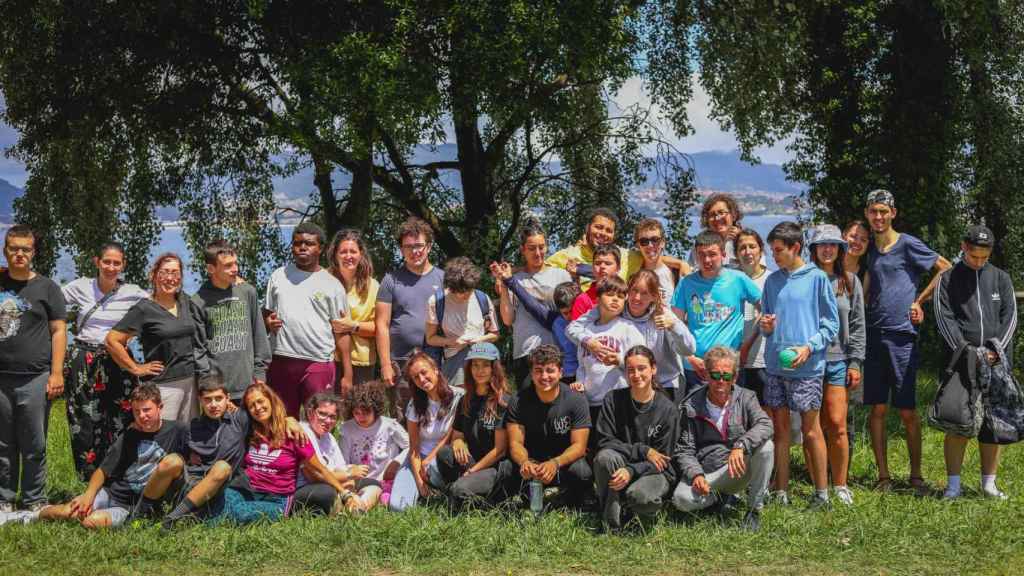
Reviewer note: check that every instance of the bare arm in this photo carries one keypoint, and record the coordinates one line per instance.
(517, 444)
(382, 321)
(58, 346)
(941, 265)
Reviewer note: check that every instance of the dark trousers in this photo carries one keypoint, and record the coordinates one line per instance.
(576, 481)
(521, 372)
(481, 487)
(316, 498)
(23, 411)
(644, 495)
(98, 406)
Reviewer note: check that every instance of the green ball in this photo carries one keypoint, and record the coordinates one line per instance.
(786, 357)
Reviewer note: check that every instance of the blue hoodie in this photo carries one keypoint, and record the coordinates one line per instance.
(806, 314)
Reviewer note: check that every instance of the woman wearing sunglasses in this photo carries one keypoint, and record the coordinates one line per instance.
(725, 442)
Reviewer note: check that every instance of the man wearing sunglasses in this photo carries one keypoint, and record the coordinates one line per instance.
(725, 442)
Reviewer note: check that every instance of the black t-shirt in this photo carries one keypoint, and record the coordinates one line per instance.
(135, 455)
(222, 439)
(164, 337)
(548, 427)
(478, 426)
(26, 310)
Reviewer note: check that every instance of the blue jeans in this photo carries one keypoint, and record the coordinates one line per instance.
(835, 373)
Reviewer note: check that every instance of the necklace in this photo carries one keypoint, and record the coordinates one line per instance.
(642, 407)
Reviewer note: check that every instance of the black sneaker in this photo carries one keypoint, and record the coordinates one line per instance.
(752, 521)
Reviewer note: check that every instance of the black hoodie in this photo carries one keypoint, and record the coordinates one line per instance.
(976, 308)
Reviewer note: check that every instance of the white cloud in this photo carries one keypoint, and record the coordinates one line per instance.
(707, 134)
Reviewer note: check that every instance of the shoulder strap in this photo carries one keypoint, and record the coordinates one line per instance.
(80, 323)
(439, 309)
(485, 307)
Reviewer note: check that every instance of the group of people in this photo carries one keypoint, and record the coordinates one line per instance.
(635, 377)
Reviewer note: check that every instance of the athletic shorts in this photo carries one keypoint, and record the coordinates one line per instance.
(835, 373)
(890, 369)
(118, 511)
(754, 379)
(798, 394)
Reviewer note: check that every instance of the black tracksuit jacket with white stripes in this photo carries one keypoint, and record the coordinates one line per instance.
(977, 307)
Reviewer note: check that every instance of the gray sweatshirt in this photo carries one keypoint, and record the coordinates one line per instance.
(851, 342)
(236, 336)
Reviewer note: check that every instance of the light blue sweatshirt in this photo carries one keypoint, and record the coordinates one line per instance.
(806, 314)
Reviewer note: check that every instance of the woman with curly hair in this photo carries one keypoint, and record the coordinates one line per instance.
(721, 214)
(428, 420)
(373, 440)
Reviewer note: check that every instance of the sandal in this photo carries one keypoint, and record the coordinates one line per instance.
(921, 488)
(883, 484)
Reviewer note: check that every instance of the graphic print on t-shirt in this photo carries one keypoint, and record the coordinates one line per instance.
(149, 454)
(262, 457)
(608, 341)
(708, 310)
(229, 320)
(489, 420)
(11, 309)
(561, 425)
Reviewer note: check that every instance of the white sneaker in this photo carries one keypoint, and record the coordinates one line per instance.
(950, 494)
(844, 495)
(780, 497)
(994, 493)
(6, 507)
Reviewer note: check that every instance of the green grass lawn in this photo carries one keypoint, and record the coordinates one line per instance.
(894, 533)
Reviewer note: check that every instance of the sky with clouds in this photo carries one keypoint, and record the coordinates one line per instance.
(707, 134)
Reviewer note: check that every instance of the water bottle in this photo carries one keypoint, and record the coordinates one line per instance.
(536, 497)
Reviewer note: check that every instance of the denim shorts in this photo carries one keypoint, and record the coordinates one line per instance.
(798, 394)
(835, 373)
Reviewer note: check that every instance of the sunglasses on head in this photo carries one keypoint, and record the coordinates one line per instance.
(722, 376)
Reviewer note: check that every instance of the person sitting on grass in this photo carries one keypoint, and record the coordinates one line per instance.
(468, 467)
(548, 425)
(136, 473)
(272, 461)
(428, 419)
(374, 441)
(725, 442)
(637, 431)
(603, 339)
(216, 446)
(314, 494)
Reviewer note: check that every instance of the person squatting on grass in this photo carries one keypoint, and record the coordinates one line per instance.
(637, 430)
(468, 466)
(725, 442)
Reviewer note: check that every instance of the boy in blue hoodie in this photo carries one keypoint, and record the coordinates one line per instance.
(800, 320)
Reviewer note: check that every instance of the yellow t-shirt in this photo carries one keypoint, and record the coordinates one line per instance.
(364, 350)
(629, 261)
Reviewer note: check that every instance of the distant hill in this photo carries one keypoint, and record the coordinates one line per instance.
(727, 172)
(8, 192)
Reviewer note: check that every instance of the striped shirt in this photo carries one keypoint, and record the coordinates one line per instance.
(83, 294)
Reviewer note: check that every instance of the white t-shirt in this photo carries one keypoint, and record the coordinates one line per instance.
(527, 332)
(461, 319)
(666, 283)
(433, 431)
(717, 414)
(383, 442)
(597, 377)
(327, 450)
(306, 302)
(83, 294)
(755, 358)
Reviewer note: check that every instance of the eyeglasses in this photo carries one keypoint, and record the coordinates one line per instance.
(719, 214)
(722, 376)
(650, 241)
(415, 247)
(325, 417)
(168, 274)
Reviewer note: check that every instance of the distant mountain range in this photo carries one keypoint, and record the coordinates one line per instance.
(718, 171)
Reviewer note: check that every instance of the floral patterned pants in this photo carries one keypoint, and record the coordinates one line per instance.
(98, 405)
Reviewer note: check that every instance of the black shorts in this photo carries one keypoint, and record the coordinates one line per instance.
(754, 379)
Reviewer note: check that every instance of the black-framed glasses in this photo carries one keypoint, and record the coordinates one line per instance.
(650, 241)
(722, 376)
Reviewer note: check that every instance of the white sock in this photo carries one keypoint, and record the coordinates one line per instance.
(823, 494)
(839, 487)
(988, 482)
(953, 484)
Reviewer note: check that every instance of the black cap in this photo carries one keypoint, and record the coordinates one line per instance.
(979, 236)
